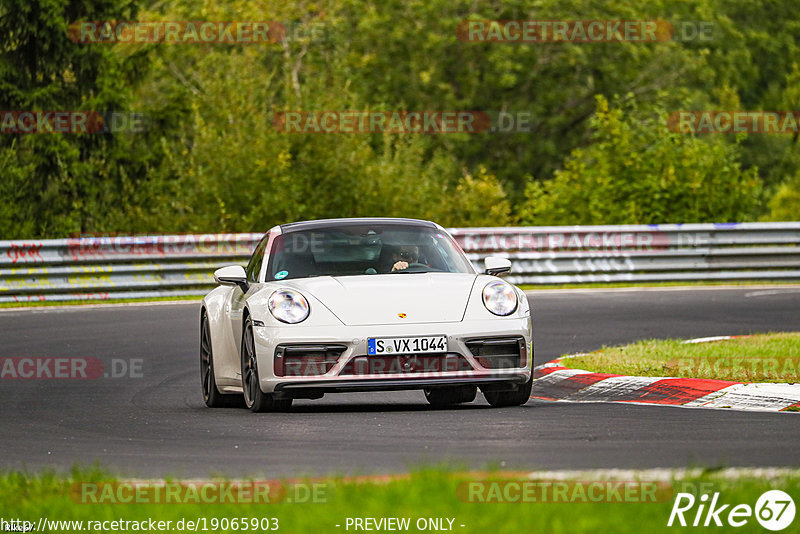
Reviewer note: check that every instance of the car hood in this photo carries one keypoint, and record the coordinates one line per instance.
(391, 298)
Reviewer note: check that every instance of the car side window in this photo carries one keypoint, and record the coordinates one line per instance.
(254, 265)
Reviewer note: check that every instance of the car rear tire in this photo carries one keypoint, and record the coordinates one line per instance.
(211, 395)
(254, 398)
(500, 399)
(442, 397)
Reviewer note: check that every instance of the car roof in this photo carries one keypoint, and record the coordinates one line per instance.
(354, 221)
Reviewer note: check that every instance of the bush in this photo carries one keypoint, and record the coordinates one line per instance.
(785, 204)
(636, 171)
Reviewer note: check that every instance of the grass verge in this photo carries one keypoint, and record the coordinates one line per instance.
(773, 357)
(424, 495)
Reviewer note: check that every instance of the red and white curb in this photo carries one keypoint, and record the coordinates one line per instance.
(555, 382)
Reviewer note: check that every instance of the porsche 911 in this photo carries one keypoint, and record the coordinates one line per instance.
(360, 305)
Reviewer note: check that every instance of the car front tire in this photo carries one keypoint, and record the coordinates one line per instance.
(254, 398)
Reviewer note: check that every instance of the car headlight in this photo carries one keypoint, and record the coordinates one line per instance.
(288, 306)
(499, 298)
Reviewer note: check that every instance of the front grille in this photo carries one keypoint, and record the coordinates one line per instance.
(405, 364)
(499, 353)
(306, 360)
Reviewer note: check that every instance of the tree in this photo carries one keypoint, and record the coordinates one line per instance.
(637, 171)
(785, 204)
(57, 184)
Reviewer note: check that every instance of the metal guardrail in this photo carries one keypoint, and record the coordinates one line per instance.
(100, 268)
(641, 253)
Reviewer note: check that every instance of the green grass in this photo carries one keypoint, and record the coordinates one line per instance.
(759, 358)
(426, 493)
(37, 304)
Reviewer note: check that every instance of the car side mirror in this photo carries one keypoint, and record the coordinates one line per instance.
(495, 265)
(232, 275)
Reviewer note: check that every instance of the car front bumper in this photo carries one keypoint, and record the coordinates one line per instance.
(354, 339)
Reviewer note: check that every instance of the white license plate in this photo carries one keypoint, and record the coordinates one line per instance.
(377, 346)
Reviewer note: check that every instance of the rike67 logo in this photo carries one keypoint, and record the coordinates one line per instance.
(774, 510)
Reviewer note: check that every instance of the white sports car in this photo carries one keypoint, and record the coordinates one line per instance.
(371, 304)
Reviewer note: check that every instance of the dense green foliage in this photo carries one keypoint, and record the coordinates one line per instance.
(598, 150)
(641, 172)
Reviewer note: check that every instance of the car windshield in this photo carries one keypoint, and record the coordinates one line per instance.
(364, 250)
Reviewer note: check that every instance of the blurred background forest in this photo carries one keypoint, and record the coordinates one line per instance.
(599, 151)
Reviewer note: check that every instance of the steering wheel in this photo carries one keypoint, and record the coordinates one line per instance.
(412, 267)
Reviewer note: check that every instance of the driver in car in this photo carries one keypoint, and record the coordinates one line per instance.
(403, 256)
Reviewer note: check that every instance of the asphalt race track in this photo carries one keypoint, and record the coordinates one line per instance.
(156, 424)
